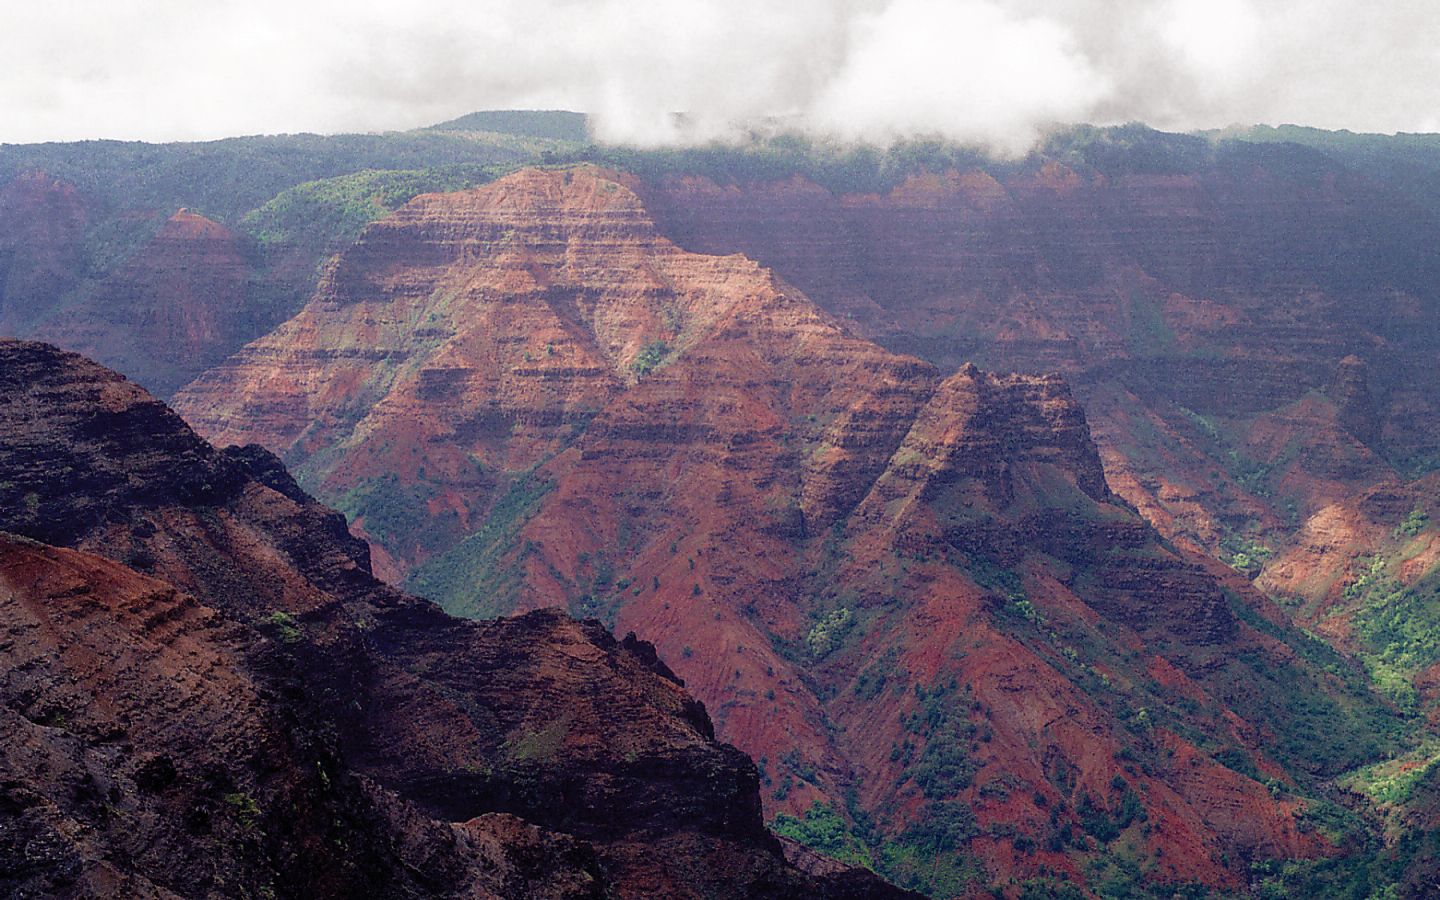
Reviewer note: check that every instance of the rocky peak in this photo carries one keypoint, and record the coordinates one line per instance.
(170, 311)
(988, 427)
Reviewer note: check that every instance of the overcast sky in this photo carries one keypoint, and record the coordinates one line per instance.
(992, 71)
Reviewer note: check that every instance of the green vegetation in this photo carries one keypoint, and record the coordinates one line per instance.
(1244, 554)
(226, 179)
(1251, 475)
(1148, 332)
(944, 767)
(827, 633)
(285, 625)
(1401, 865)
(482, 575)
(1392, 783)
(991, 575)
(600, 594)
(1414, 523)
(1104, 825)
(874, 678)
(1399, 625)
(246, 810)
(928, 856)
(549, 124)
(394, 514)
(324, 215)
(822, 829)
(839, 167)
(1130, 149)
(944, 827)
(650, 358)
(1325, 716)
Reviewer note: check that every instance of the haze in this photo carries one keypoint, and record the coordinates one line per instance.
(987, 71)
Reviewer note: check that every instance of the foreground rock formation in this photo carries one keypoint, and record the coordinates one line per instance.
(206, 692)
(913, 598)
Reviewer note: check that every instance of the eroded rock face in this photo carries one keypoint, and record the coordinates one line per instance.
(254, 712)
(177, 307)
(42, 227)
(915, 591)
(1351, 392)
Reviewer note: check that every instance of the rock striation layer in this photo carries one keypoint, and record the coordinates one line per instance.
(1176, 282)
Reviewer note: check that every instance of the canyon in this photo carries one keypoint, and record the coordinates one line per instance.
(1037, 523)
(524, 395)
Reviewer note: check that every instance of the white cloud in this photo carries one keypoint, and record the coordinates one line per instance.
(968, 69)
(979, 70)
(1217, 40)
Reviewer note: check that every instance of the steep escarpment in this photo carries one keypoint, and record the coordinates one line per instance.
(253, 712)
(913, 598)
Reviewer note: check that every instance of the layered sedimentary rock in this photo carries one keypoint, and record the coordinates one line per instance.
(914, 598)
(205, 691)
(177, 307)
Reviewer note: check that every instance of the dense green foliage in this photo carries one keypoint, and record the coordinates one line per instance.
(1399, 626)
(1325, 718)
(1244, 554)
(822, 829)
(944, 765)
(827, 633)
(328, 213)
(928, 856)
(1413, 524)
(393, 513)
